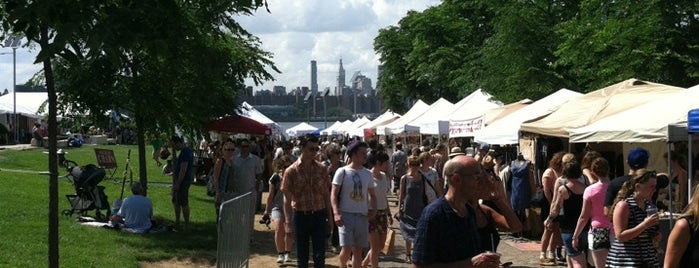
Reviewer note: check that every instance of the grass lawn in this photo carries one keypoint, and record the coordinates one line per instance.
(24, 214)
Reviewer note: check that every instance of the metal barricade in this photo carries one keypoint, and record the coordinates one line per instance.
(234, 231)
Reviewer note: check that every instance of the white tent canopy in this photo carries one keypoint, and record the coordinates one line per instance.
(428, 122)
(398, 126)
(469, 110)
(331, 129)
(383, 119)
(300, 130)
(506, 130)
(593, 106)
(354, 125)
(648, 122)
(252, 113)
(28, 103)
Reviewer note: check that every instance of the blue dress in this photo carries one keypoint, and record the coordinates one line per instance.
(521, 191)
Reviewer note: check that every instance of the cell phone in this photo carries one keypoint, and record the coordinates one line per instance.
(507, 264)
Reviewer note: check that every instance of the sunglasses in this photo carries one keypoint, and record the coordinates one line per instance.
(229, 149)
(314, 149)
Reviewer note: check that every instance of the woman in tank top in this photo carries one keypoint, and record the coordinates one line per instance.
(683, 243)
(488, 219)
(411, 201)
(635, 231)
(570, 198)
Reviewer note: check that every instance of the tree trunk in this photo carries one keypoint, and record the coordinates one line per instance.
(53, 165)
(142, 165)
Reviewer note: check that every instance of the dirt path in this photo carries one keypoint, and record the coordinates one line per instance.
(521, 253)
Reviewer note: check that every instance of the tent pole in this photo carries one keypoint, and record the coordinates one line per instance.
(669, 174)
(690, 173)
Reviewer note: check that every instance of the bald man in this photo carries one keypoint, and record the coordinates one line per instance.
(447, 234)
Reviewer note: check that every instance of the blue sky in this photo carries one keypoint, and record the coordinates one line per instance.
(296, 32)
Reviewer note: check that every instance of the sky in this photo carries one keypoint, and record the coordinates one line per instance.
(296, 32)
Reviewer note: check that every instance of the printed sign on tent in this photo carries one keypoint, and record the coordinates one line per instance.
(465, 128)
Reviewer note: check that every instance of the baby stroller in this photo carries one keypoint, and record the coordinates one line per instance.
(88, 194)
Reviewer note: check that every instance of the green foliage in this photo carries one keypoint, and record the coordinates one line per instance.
(529, 49)
(25, 226)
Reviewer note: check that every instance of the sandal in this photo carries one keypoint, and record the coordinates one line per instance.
(408, 259)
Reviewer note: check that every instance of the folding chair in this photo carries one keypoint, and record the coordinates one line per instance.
(107, 161)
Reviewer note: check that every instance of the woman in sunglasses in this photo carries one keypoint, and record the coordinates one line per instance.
(635, 227)
(222, 175)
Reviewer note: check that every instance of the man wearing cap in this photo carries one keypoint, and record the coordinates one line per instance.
(483, 149)
(636, 159)
(307, 207)
(447, 233)
(399, 161)
(136, 211)
(354, 202)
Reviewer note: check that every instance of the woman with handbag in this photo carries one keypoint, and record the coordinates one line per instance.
(275, 207)
(411, 201)
(598, 239)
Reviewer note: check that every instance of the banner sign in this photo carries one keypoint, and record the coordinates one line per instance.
(466, 128)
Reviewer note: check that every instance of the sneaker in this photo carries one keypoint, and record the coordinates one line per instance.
(547, 262)
(280, 259)
(286, 258)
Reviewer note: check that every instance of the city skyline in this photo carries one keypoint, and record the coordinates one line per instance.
(296, 32)
(325, 31)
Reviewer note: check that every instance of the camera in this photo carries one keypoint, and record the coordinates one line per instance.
(265, 220)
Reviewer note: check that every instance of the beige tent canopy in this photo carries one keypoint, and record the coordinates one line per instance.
(596, 105)
(649, 122)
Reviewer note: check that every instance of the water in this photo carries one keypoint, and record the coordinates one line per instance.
(288, 125)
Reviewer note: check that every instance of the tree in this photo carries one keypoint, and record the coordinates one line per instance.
(516, 62)
(613, 41)
(530, 48)
(127, 53)
(156, 67)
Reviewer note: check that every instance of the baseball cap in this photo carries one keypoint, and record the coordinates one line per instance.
(638, 158)
(483, 146)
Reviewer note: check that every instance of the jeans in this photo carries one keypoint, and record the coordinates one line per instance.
(310, 227)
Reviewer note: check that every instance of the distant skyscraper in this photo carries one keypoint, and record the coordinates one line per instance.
(340, 80)
(314, 78)
(314, 84)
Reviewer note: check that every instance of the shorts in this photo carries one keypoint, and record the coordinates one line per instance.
(277, 214)
(568, 242)
(355, 231)
(181, 198)
(379, 224)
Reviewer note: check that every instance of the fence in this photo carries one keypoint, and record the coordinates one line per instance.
(234, 230)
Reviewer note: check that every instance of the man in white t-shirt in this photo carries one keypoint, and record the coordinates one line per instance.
(354, 203)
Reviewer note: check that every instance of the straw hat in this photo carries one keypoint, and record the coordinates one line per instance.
(455, 151)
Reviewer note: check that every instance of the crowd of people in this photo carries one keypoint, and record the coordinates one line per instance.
(452, 203)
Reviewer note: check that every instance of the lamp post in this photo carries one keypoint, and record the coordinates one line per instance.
(13, 42)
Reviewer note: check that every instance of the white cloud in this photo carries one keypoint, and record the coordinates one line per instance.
(296, 32)
(329, 30)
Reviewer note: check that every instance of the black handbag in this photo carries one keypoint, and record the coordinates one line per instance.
(539, 199)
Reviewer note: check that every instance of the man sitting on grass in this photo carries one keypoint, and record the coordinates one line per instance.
(136, 212)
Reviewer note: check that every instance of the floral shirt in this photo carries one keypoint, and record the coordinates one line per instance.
(308, 185)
